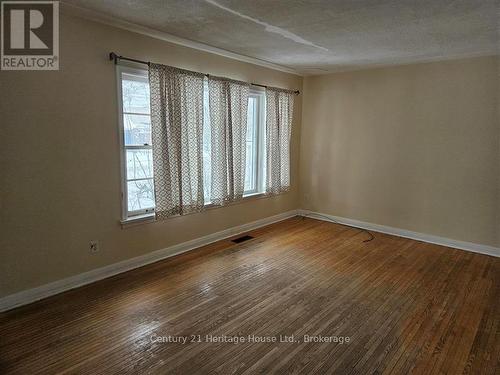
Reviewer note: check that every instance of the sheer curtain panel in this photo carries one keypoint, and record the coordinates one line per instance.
(177, 129)
(228, 121)
(279, 115)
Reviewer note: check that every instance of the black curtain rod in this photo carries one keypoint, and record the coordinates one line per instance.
(114, 57)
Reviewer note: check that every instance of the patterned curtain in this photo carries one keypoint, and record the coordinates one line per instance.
(177, 128)
(228, 120)
(279, 113)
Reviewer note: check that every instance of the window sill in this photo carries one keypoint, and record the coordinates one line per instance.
(150, 217)
(138, 219)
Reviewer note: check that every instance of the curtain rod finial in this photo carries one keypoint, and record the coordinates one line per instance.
(113, 56)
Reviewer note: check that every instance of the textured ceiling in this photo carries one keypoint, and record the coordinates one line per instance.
(319, 36)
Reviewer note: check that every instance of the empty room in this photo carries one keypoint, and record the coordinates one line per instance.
(250, 187)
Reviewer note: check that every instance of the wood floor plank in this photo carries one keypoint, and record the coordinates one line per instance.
(406, 306)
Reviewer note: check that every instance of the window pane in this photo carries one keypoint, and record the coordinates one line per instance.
(137, 130)
(249, 168)
(140, 195)
(251, 118)
(139, 164)
(207, 147)
(135, 95)
(250, 159)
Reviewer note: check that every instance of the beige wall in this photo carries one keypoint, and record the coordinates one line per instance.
(60, 169)
(414, 147)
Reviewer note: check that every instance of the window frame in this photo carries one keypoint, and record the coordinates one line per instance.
(126, 214)
(259, 147)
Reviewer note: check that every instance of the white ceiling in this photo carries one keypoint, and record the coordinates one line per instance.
(319, 36)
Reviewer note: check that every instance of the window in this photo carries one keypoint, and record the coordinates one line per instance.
(135, 135)
(255, 157)
(135, 129)
(255, 150)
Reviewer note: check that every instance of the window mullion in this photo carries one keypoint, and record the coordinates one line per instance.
(138, 147)
(139, 179)
(137, 113)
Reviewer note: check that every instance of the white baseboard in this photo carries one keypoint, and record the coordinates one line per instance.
(462, 245)
(47, 290)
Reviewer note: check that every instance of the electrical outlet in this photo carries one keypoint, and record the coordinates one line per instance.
(94, 246)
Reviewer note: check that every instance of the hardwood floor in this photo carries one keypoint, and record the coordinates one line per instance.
(406, 306)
